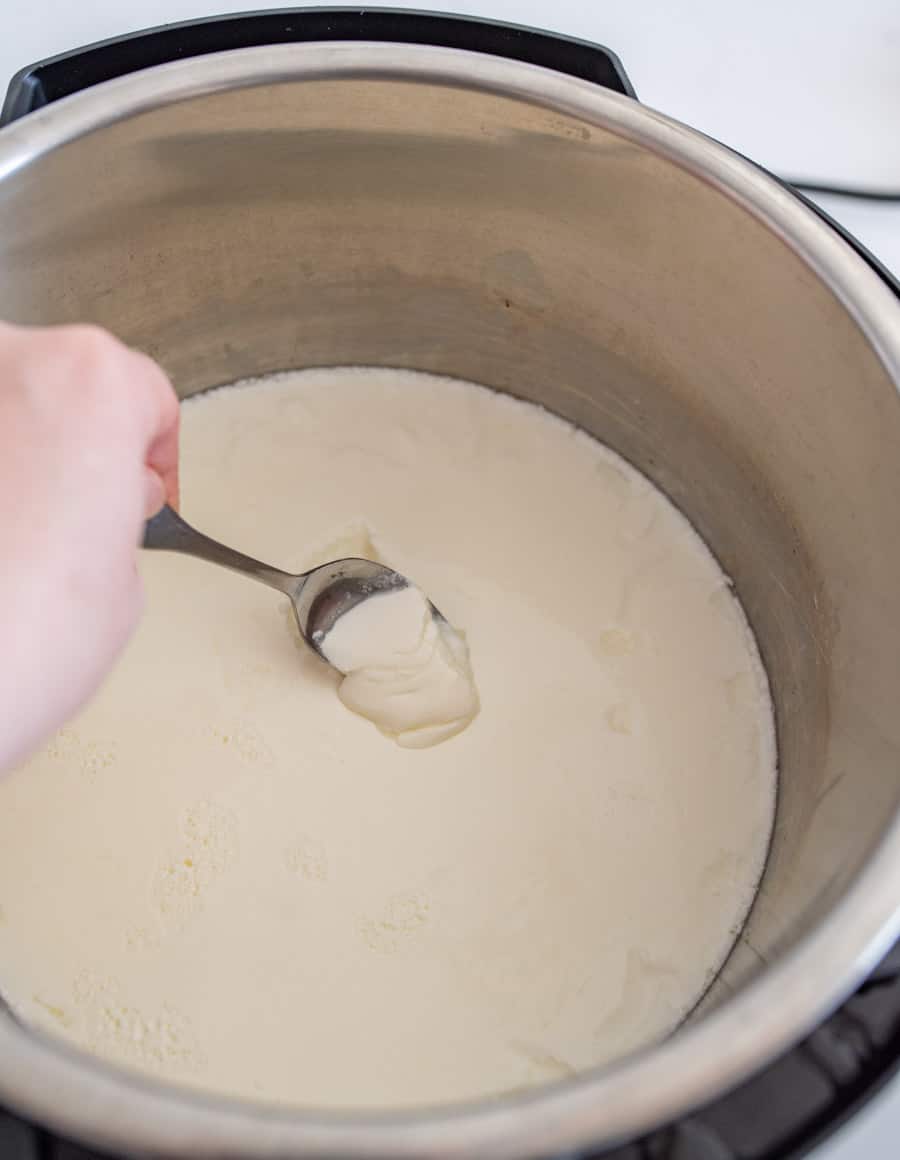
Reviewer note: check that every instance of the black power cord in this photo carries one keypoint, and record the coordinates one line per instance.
(885, 195)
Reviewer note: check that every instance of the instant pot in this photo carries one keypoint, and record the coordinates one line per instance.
(316, 187)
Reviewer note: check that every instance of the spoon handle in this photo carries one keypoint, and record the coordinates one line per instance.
(169, 532)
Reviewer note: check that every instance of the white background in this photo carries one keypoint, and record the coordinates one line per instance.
(809, 88)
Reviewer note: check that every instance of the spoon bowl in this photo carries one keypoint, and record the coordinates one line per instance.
(318, 597)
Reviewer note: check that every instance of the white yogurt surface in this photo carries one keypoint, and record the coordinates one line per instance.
(220, 876)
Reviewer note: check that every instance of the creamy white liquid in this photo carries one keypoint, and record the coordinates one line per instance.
(220, 875)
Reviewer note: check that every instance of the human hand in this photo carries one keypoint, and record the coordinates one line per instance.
(88, 450)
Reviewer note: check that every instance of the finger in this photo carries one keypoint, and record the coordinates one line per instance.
(162, 459)
(156, 493)
(162, 450)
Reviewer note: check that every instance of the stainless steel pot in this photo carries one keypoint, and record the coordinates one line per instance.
(423, 207)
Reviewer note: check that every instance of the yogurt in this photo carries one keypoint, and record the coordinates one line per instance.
(219, 876)
(406, 669)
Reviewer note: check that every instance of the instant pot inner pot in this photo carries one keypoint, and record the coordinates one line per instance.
(447, 229)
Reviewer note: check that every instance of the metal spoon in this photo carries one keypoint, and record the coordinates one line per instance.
(318, 597)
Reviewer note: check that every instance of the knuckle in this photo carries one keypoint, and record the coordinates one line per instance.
(90, 356)
(154, 377)
(84, 340)
(153, 384)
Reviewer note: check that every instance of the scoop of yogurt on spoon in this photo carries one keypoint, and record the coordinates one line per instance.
(406, 668)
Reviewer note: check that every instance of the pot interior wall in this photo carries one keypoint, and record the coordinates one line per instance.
(379, 222)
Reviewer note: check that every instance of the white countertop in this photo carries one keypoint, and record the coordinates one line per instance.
(810, 89)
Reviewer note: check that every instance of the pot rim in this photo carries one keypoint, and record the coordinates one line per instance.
(91, 1100)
